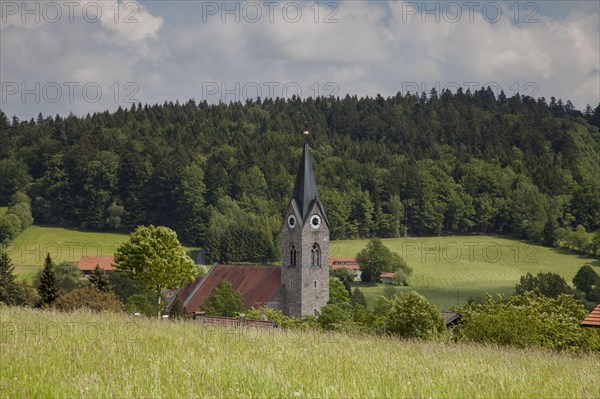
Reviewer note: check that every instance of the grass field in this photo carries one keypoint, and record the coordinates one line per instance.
(471, 265)
(85, 355)
(29, 249)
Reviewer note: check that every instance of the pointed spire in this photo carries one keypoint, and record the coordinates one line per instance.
(305, 189)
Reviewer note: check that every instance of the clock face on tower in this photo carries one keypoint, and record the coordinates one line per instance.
(291, 221)
(315, 221)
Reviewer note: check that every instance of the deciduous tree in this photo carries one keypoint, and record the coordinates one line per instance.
(154, 256)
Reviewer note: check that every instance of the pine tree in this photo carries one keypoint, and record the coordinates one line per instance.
(48, 289)
(8, 285)
(100, 280)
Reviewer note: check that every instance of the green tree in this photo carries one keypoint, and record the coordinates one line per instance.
(585, 279)
(48, 290)
(547, 284)
(412, 316)
(376, 258)
(99, 279)
(224, 301)
(69, 276)
(8, 284)
(346, 276)
(154, 256)
(337, 292)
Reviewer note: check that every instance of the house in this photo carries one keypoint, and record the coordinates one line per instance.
(349, 263)
(300, 286)
(593, 319)
(387, 277)
(451, 319)
(87, 264)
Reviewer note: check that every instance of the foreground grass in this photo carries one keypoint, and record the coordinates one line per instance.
(85, 355)
(29, 249)
(471, 265)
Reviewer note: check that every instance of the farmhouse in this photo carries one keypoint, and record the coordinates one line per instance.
(593, 319)
(387, 277)
(301, 285)
(349, 263)
(87, 264)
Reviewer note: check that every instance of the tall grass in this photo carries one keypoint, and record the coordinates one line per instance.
(46, 354)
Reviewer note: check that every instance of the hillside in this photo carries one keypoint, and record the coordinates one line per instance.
(459, 163)
(86, 355)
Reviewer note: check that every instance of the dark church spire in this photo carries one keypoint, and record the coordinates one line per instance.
(305, 189)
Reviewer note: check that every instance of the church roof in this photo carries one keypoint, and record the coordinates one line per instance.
(258, 285)
(305, 188)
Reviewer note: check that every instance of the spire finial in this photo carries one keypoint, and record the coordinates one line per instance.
(306, 134)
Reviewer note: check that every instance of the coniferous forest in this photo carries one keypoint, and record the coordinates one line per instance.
(221, 175)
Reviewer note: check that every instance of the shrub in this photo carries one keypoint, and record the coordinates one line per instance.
(358, 298)
(88, 298)
(530, 319)
(412, 316)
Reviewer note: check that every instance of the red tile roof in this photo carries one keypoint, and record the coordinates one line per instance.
(388, 275)
(593, 319)
(340, 259)
(87, 263)
(258, 285)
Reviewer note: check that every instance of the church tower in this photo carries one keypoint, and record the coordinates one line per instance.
(304, 246)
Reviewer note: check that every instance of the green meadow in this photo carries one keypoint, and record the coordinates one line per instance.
(86, 355)
(448, 270)
(30, 248)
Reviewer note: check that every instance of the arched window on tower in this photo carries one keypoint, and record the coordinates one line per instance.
(292, 255)
(315, 255)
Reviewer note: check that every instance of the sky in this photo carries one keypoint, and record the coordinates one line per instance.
(58, 57)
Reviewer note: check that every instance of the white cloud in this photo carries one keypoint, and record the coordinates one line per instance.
(374, 48)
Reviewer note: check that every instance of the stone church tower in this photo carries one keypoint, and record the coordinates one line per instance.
(304, 246)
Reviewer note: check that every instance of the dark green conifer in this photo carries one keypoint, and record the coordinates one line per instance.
(48, 289)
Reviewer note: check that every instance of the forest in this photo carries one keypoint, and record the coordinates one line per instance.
(221, 175)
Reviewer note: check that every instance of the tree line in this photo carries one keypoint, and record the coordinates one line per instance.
(221, 175)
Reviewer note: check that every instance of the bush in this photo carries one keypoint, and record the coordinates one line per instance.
(412, 316)
(358, 298)
(142, 303)
(88, 298)
(526, 320)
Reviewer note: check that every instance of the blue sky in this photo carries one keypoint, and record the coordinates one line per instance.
(154, 51)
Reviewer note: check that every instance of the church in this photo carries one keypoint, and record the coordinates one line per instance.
(300, 286)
